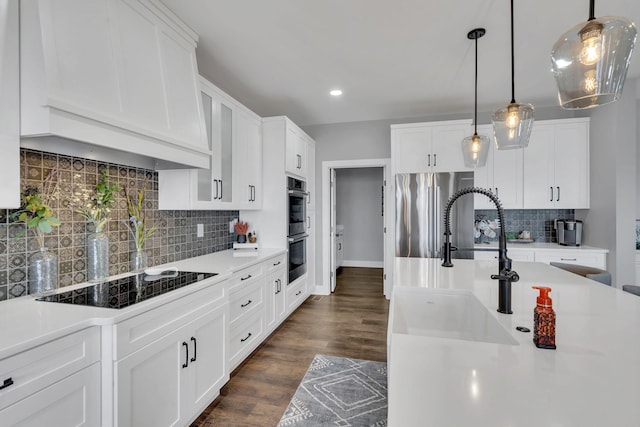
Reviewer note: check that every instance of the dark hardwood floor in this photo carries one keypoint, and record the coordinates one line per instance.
(352, 322)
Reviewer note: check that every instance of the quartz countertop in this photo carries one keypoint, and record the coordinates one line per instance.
(591, 379)
(27, 323)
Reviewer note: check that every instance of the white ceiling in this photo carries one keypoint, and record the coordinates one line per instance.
(392, 58)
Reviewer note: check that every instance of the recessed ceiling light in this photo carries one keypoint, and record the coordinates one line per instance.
(336, 92)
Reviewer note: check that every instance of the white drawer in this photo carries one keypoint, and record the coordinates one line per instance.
(139, 331)
(589, 259)
(296, 293)
(244, 277)
(39, 367)
(246, 301)
(275, 263)
(516, 255)
(245, 337)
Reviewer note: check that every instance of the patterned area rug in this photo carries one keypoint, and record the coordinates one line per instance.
(337, 391)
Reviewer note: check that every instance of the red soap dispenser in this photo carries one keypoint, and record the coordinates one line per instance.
(544, 320)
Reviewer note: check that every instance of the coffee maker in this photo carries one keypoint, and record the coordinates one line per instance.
(569, 232)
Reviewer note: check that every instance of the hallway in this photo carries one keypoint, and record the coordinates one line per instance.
(350, 323)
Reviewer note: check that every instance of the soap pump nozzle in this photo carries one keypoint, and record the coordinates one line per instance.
(543, 299)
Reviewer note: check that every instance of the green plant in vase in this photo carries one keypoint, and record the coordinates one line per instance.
(138, 227)
(38, 216)
(97, 211)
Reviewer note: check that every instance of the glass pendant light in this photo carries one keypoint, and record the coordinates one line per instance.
(475, 148)
(512, 124)
(590, 61)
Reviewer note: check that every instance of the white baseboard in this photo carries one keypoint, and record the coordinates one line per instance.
(367, 264)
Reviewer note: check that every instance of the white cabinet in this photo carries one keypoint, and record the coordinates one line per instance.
(120, 74)
(10, 106)
(296, 152)
(57, 383)
(578, 257)
(233, 178)
(171, 362)
(275, 291)
(428, 147)
(502, 175)
(556, 165)
(515, 255)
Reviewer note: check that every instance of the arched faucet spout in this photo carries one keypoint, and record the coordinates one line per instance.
(505, 275)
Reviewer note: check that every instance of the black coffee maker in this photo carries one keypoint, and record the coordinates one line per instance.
(569, 232)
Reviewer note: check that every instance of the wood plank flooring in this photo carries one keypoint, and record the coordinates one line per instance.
(352, 322)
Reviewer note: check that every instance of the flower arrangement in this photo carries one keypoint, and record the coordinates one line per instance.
(36, 211)
(241, 228)
(137, 220)
(98, 210)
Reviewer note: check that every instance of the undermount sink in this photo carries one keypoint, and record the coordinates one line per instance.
(445, 313)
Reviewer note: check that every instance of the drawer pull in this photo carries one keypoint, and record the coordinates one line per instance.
(275, 264)
(298, 293)
(246, 278)
(186, 359)
(568, 259)
(6, 383)
(246, 304)
(244, 339)
(195, 349)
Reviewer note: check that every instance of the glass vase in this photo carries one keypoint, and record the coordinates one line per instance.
(97, 257)
(43, 273)
(139, 261)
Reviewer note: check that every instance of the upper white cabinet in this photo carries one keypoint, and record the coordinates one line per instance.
(10, 105)
(296, 151)
(233, 177)
(556, 165)
(120, 74)
(428, 147)
(502, 175)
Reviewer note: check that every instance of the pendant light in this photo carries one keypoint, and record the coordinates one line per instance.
(475, 148)
(512, 124)
(590, 61)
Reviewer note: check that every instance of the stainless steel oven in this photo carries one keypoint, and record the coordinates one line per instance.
(297, 236)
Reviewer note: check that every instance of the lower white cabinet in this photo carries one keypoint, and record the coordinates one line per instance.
(276, 289)
(520, 255)
(57, 383)
(296, 293)
(170, 381)
(596, 258)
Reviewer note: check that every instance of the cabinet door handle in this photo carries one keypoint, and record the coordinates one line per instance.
(253, 193)
(186, 359)
(246, 338)
(551, 199)
(195, 349)
(6, 383)
(245, 278)
(428, 159)
(277, 286)
(435, 160)
(568, 259)
(298, 293)
(215, 183)
(275, 264)
(339, 246)
(221, 189)
(308, 222)
(558, 199)
(245, 304)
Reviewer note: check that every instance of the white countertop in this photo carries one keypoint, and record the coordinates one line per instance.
(540, 246)
(27, 322)
(591, 379)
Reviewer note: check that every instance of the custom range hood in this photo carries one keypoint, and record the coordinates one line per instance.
(114, 80)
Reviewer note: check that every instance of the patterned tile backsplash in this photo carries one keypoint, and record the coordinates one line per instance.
(538, 221)
(175, 238)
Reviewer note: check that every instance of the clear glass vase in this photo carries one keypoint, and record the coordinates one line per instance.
(43, 273)
(97, 257)
(139, 261)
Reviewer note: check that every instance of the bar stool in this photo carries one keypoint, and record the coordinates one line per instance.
(592, 273)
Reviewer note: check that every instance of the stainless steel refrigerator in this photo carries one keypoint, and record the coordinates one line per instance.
(420, 202)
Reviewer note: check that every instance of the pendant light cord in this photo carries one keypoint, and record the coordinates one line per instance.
(592, 10)
(513, 83)
(475, 110)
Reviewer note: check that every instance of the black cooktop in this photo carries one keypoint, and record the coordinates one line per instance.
(127, 291)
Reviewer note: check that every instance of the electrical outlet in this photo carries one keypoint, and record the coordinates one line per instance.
(232, 225)
(200, 230)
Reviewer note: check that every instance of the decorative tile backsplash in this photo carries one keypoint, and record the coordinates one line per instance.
(175, 239)
(538, 221)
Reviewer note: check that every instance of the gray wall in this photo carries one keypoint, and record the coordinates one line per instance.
(611, 219)
(358, 209)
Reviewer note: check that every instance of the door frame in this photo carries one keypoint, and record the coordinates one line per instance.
(327, 166)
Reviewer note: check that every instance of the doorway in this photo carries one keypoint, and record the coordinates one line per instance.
(362, 204)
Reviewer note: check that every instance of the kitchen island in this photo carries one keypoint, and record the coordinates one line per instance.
(591, 379)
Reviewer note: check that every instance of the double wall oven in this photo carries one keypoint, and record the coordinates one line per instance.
(297, 237)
